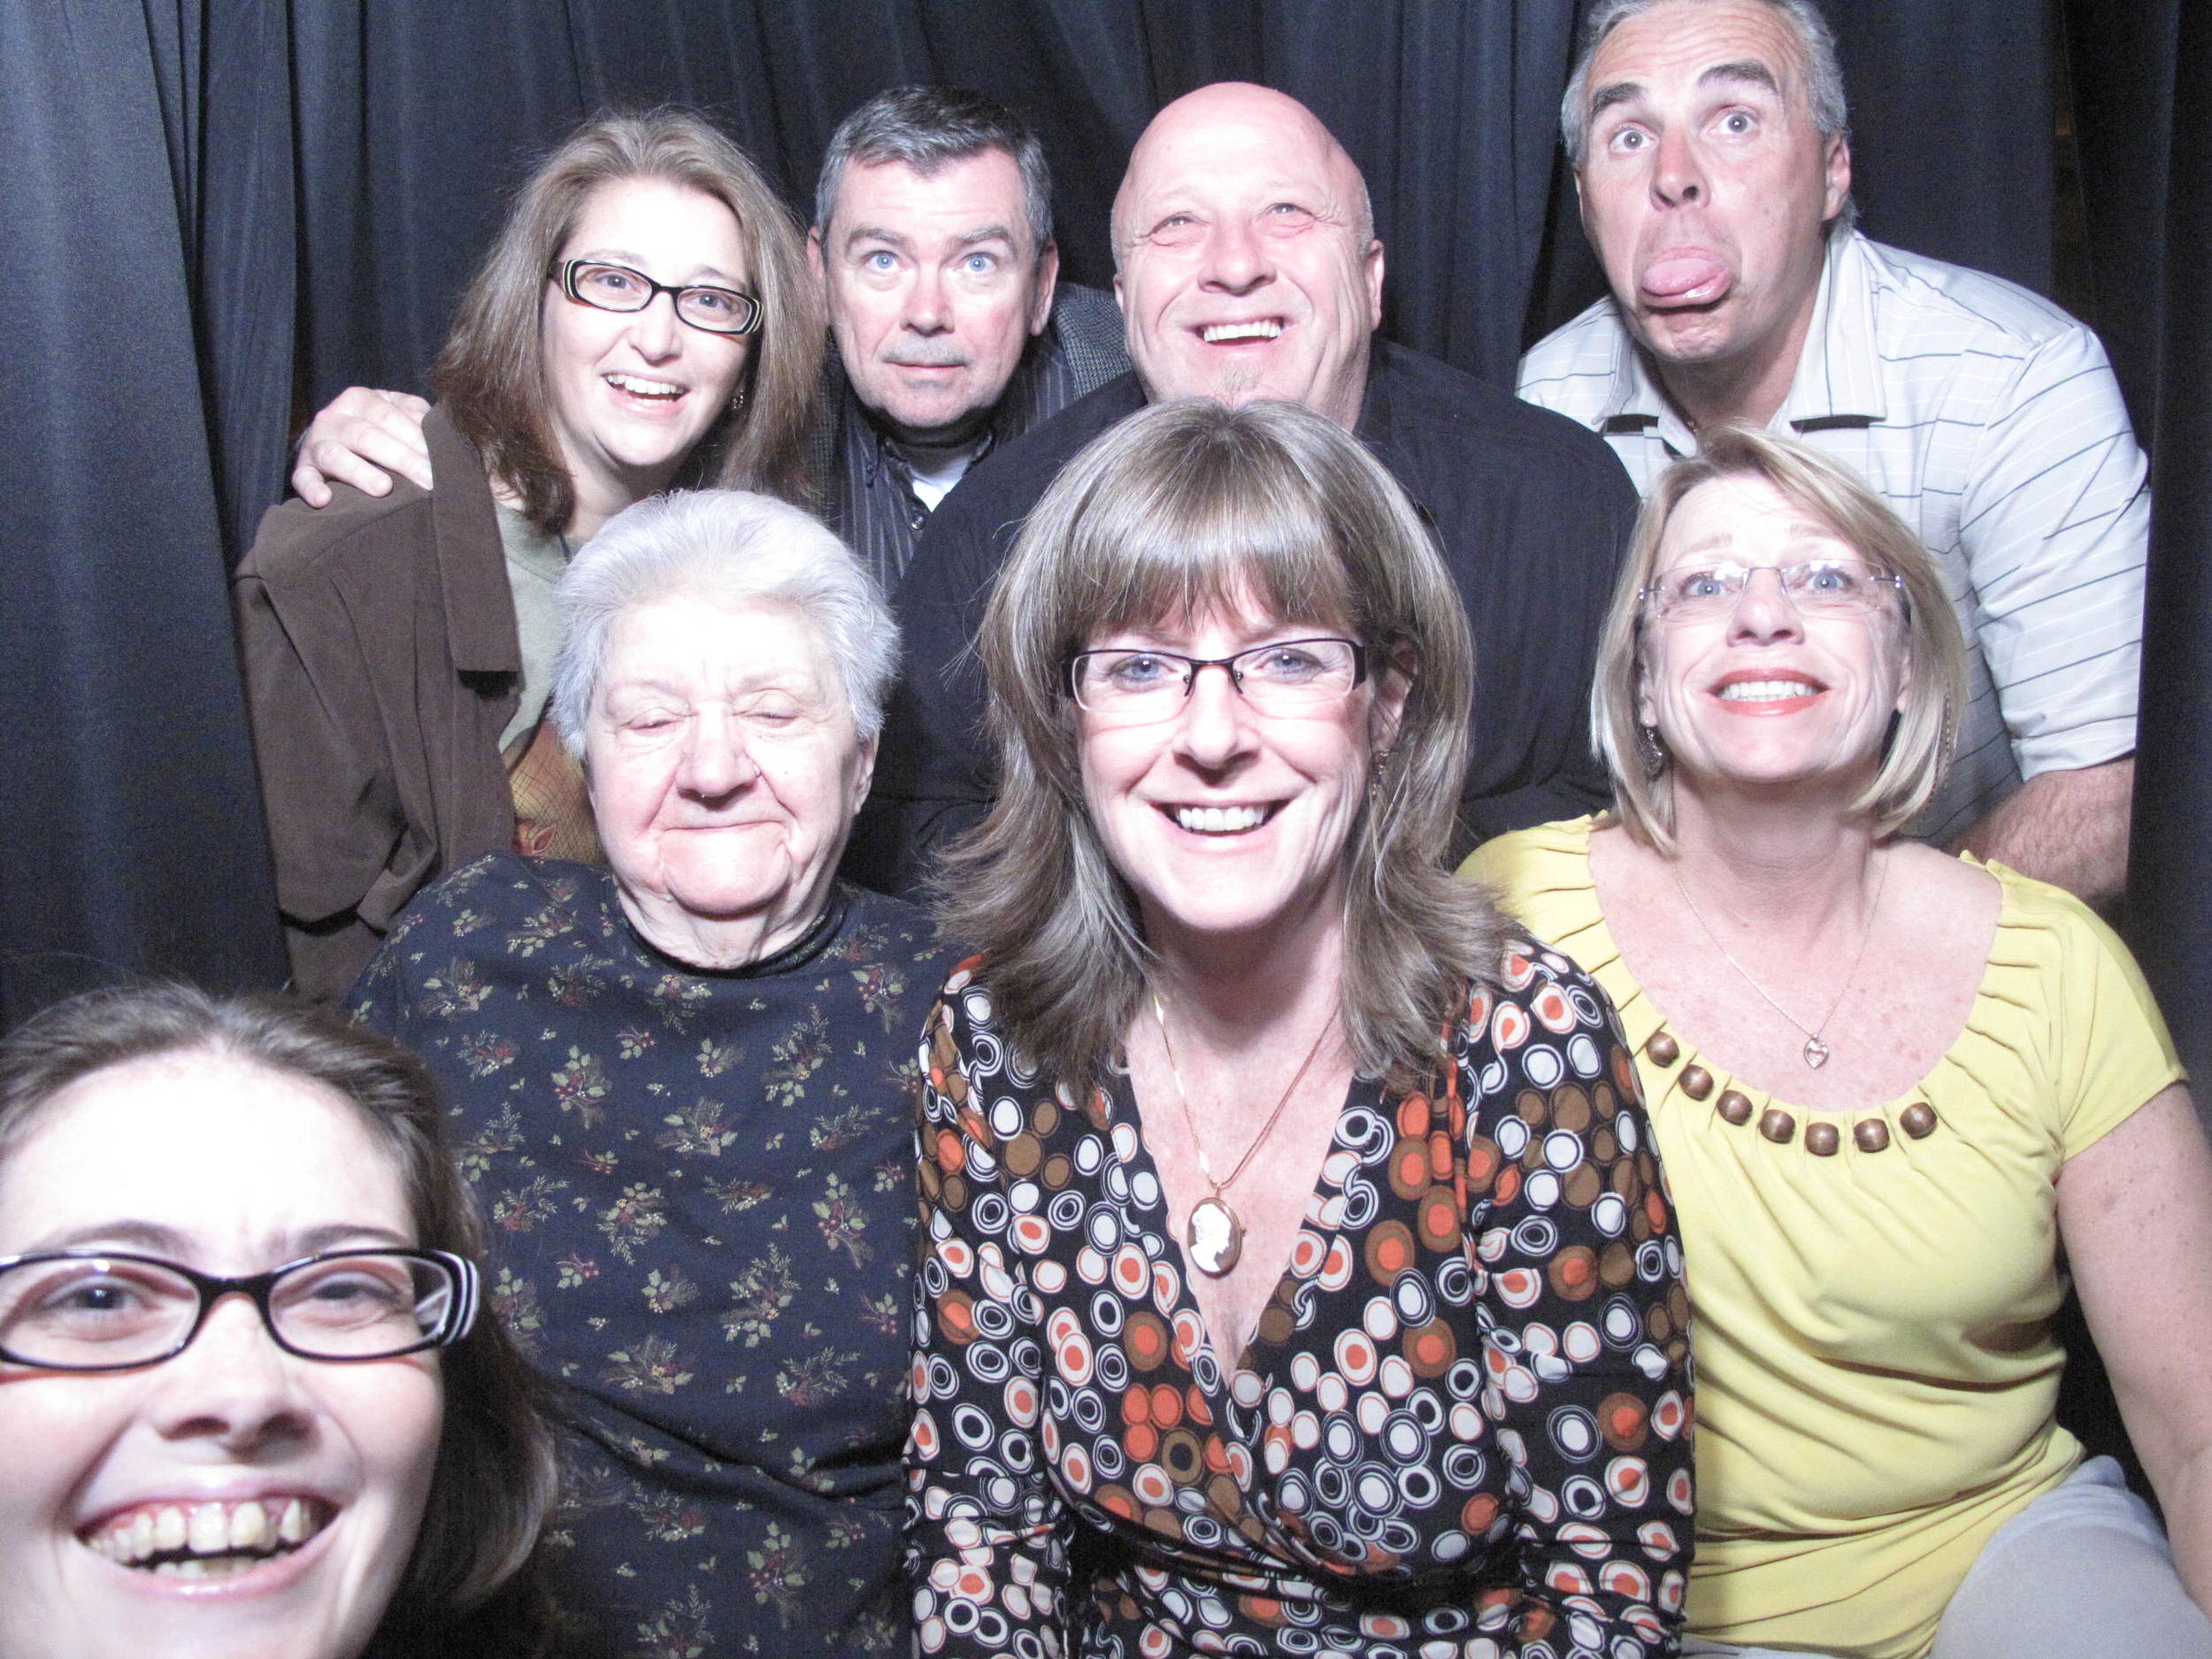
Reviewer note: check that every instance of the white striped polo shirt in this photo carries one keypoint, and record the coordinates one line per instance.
(1989, 421)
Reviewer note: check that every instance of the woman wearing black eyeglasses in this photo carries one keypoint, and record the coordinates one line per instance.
(1298, 1277)
(246, 1403)
(644, 318)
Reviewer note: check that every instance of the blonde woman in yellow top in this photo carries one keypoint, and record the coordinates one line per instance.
(1891, 1088)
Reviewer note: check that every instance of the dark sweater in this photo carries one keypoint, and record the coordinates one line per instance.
(700, 1191)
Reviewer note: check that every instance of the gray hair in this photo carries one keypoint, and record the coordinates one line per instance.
(729, 546)
(1824, 74)
(930, 127)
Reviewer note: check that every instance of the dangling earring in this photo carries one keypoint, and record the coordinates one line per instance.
(737, 399)
(1654, 750)
(1375, 778)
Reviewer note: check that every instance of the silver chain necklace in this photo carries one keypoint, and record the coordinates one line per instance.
(1815, 1051)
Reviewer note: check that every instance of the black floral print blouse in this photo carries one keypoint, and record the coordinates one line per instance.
(699, 1190)
(1463, 1427)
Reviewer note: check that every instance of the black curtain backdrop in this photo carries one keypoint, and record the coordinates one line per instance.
(146, 350)
(2171, 885)
(2123, 58)
(415, 120)
(244, 205)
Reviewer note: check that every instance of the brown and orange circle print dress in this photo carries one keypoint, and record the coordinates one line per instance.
(1464, 1425)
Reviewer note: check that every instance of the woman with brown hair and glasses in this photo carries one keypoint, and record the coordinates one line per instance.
(644, 318)
(248, 1406)
(1297, 1274)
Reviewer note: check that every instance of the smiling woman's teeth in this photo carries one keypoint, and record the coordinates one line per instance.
(1265, 329)
(1220, 820)
(637, 387)
(208, 1540)
(1765, 690)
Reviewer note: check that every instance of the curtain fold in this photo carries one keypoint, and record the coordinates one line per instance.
(128, 805)
(1952, 130)
(417, 118)
(2121, 53)
(2169, 883)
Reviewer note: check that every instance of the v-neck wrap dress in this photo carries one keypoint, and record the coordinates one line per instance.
(1461, 1428)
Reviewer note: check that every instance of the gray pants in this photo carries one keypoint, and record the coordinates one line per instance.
(2084, 1572)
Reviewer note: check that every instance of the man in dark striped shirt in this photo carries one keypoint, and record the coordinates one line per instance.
(932, 235)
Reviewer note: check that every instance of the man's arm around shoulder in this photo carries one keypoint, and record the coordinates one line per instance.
(2068, 828)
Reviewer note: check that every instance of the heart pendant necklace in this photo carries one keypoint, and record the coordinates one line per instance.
(1213, 1238)
(1815, 1053)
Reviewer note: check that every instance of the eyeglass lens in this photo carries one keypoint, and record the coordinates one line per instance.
(84, 1311)
(1288, 674)
(617, 287)
(1824, 585)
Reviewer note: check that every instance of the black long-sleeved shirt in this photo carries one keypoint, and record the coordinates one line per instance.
(1529, 510)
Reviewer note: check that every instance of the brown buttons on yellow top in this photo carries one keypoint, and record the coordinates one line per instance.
(1822, 1139)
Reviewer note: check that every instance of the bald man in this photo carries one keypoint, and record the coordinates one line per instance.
(1246, 268)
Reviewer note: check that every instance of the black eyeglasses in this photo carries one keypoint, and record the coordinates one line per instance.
(617, 287)
(1136, 685)
(107, 1310)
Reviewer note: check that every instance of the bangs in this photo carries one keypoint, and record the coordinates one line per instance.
(1196, 536)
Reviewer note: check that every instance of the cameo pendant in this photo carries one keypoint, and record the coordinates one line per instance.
(1214, 1238)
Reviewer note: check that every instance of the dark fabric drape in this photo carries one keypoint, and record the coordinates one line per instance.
(2169, 884)
(1952, 129)
(2121, 54)
(148, 378)
(417, 118)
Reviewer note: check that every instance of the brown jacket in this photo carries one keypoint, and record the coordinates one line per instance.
(381, 664)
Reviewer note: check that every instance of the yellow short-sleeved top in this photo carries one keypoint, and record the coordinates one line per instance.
(1871, 1289)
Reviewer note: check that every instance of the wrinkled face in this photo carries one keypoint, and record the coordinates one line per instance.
(633, 392)
(934, 287)
(233, 1502)
(1766, 694)
(1244, 272)
(724, 764)
(1226, 821)
(1705, 183)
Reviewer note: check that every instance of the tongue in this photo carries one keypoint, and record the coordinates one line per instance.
(1688, 276)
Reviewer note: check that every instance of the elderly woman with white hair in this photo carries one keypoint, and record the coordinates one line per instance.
(684, 1090)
